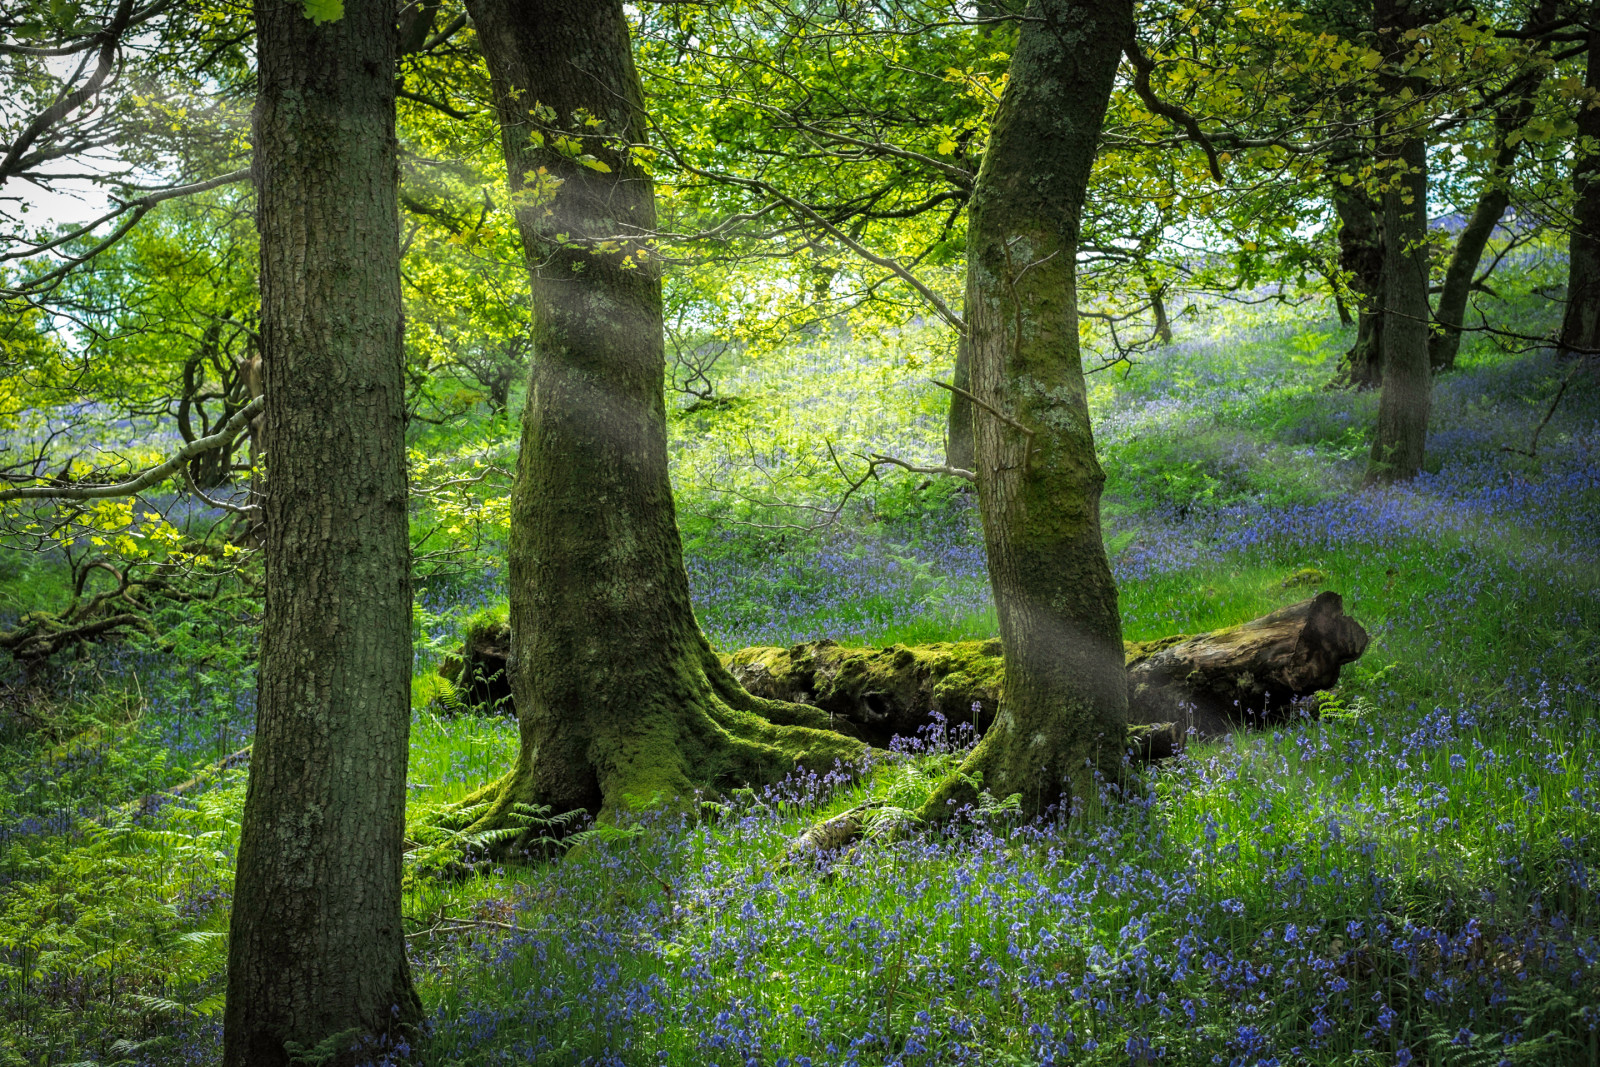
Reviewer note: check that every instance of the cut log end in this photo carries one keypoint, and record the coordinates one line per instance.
(1245, 675)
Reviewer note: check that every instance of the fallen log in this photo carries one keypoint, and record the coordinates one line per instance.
(1206, 684)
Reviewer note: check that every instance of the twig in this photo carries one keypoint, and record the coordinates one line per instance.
(1532, 451)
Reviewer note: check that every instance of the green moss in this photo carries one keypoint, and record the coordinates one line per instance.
(1139, 651)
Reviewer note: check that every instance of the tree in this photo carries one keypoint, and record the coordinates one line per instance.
(317, 955)
(621, 701)
(1402, 428)
(1064, 714)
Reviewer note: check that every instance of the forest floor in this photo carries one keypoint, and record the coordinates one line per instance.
(1413, 877)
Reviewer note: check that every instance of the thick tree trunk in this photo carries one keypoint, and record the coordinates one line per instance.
(1491, 204)
(1401, 434)
(1580, 325)
(1038, 478)
(316, 955)
(621, 701)
(1361, 257)
(1211, 683)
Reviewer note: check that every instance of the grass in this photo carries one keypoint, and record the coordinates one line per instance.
(1410, 879)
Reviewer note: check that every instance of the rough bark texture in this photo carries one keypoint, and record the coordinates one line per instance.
(1212, 683)
(317, 955)
(1401, 434)
(621, 701)
(1038, 479)
(1451, 308)
(1580, 325)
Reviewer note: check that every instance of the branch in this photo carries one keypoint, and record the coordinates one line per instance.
(229, 431)
(1007, 419)
(108, 39)
(1172, 112)
(878, 458)
(944, 311)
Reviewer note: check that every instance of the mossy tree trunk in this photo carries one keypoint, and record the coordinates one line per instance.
(621, 701)
(1400, 438)
(1580, 325)
(316, 954)
(1038, 479)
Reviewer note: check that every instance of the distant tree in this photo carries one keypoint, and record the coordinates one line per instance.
(621, 701)
(1064, 713)
(316, 952)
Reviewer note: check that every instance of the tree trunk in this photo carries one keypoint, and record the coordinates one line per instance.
(316, 957)
(621, 701)
(1492, 202)
(1038, 478)
(1212, 683)
(1402, 431)
(1158, 309)
(1361, 257)
(958, 442)
(1580, 325)
(1444, 345)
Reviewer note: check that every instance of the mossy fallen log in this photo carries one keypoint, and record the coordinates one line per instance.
(1206, 684)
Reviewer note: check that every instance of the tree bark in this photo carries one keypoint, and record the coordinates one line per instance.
(621, 701)
(316, 959)
(1038, 478)
(1400, 437)
(1361, 257)
(1450, 312)
(1212, 683)
(1580, 324)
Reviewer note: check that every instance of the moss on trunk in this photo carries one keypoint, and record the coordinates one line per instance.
(620, 700)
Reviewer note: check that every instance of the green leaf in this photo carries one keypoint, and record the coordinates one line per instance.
(320, 11)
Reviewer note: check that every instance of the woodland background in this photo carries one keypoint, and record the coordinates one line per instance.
(1404, 871)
